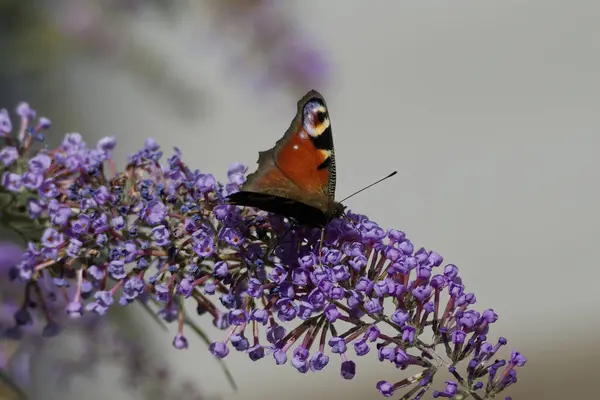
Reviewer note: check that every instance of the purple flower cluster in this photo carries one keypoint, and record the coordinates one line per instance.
(162, 233)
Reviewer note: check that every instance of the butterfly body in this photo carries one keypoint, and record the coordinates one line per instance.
(296, 178)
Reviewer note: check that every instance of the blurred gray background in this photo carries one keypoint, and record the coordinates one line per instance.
(489, 110)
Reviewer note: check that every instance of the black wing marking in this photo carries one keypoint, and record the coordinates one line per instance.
(302, 213)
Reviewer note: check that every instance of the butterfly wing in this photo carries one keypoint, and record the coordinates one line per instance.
(300, 168)
(305, 154)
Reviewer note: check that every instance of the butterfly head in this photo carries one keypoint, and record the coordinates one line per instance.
(336, 210)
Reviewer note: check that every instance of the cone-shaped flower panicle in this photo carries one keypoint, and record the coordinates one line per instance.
(163, 233)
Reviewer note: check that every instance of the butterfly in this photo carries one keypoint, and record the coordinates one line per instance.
(296, 178)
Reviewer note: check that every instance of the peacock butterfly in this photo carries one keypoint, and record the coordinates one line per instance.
(296, 178)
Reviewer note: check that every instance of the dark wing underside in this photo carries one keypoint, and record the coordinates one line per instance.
(302, 213)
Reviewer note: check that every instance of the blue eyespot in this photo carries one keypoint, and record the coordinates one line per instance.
(315, 118)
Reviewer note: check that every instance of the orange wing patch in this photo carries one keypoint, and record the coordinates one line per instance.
(299, 160)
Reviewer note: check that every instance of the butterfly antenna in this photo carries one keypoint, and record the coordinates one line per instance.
(371, 185)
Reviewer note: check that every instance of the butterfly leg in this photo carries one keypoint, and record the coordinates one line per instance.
(321, 246)
(351, 222)
(280, 238)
